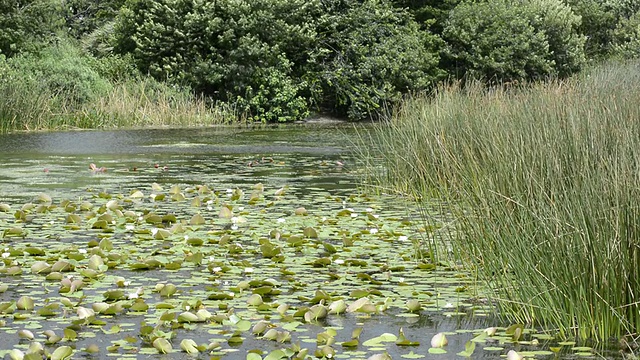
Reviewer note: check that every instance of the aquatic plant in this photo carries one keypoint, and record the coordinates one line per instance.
(541, 182)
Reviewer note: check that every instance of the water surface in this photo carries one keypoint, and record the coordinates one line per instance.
(313, 164)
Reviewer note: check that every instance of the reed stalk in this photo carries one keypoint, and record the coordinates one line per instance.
(543, 182)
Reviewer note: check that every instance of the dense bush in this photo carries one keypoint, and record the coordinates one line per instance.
(369, 53)
(272, 59)
(26, 24)
(626, 38)
(240, 52)
(431, 14)
(506, 40)
(82, 17)
(602, 21)
(61, 70)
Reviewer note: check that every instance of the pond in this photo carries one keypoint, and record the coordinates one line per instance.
(227, 243)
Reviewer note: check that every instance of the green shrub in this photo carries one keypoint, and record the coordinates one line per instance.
(626, 38)
(25, 25)
(228, 50)
(430, 14)
(369, 54)
(602, 23)
(272, 59)
(63, 70)
(507, 40)
(82, 17)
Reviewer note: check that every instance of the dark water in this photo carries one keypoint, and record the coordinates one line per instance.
(302, 157)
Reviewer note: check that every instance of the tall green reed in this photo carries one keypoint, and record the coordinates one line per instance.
(543, 183)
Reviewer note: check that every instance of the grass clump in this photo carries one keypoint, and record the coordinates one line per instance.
(543, 182)
(62, 87)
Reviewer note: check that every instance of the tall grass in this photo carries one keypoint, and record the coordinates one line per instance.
(64, 87)
(134, 103)
(543, 182)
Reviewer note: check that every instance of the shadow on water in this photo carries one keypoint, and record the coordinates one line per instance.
(313, 162)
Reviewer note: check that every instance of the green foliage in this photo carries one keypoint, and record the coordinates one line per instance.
(268, 58)
(597, 24)
(507, 40)
(369, 54)
(82, 17)
(227, 50)
(538, 185)
(627, 38)
(25, 25)
(63, 70)
(560, 26)
(431, 14)
(601, 23)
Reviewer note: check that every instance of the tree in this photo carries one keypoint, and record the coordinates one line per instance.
(238, 51)
(507, 40)
(602, 22)
(369, 54)
(26, 24)
(430, 14)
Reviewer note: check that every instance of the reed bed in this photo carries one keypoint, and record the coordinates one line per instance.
(130, 104)
(543, 183)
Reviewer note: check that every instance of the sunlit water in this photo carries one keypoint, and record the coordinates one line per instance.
(304, 158)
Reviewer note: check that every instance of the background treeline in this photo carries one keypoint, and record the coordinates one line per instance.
(136, 62)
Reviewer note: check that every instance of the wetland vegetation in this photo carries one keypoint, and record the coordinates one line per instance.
(515, 158)
(541, 182)
(228, 244)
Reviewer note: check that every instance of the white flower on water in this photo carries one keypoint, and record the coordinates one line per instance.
(448, 305)
(248, 270)
(216, 269)
(240, 208)
(369, 210)
(129, 227)
(281, 220)
(6, 255)
(403, 238)
(339, 261)
(186, 237)
(354, 215)
(234, 227)
(373, 231)
(154, 231)
(82, 251)
(211, 259)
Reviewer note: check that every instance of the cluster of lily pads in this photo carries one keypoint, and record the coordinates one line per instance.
(251, 272)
